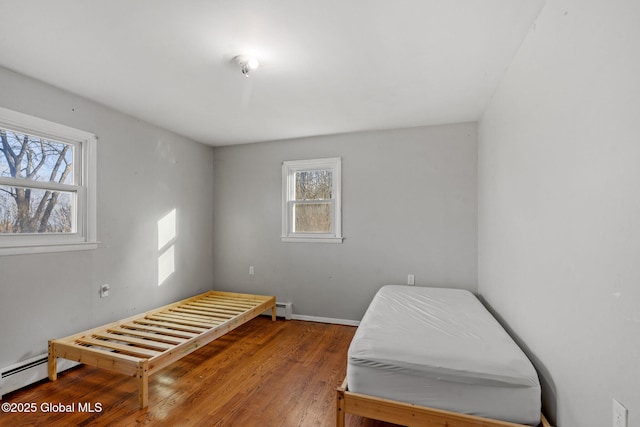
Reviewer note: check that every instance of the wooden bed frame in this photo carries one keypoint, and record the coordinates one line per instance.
(142, 345)
(408, 414)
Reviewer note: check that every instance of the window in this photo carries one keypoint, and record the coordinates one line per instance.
(47, 186)
(311, 201)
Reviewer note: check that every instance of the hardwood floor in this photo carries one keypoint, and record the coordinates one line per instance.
(264, 373)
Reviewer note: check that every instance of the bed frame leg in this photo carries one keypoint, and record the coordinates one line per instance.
(340, 414)
(143, 383)
(52, 365)
(273, 313)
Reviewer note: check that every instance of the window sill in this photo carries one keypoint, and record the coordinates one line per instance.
(41, 249)
(306, 239)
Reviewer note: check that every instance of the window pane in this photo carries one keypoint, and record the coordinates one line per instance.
(30, 157)
(312, 217)
(28, 210)
(314, 185)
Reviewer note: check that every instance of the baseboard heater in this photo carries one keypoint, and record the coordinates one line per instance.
(28, 372)
(283, 309)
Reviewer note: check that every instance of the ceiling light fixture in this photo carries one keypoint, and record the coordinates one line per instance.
(246, 63)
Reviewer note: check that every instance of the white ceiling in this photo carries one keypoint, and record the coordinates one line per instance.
(329, 66)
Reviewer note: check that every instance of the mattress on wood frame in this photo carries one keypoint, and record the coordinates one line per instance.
(441, 348)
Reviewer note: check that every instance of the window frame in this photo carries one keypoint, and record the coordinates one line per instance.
(289, 170)
(84, 236)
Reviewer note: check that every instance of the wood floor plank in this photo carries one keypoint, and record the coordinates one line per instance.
(264, 373)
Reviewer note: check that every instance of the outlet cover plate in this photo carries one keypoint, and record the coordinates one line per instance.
(619, 414)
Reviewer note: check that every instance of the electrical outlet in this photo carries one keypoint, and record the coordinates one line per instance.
(411, 279)
(619, 414)
(252, 271)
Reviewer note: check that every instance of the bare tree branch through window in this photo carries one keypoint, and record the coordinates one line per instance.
(32, 209)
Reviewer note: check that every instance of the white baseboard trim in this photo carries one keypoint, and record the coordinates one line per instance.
(326, 320)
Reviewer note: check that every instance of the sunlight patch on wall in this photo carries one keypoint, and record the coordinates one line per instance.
(166, 230)
(166, 238)
(166, 265)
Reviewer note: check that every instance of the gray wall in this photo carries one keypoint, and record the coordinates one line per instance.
(409, 206)
(143, 173)
(559, 206)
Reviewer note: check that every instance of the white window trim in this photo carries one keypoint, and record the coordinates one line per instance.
(85, 236)
(289, 169)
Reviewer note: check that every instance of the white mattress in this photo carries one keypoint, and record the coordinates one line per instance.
(441, 348)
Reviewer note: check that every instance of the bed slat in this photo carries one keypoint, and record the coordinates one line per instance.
(182, 320)
(216, 305)
(167, 325)
(199, 314)
(152, 336)
(224, 314)
(127, 349)
(229, 301)
(181, 335)
(144, 343)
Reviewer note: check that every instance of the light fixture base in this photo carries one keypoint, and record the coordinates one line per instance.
(247, 63)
